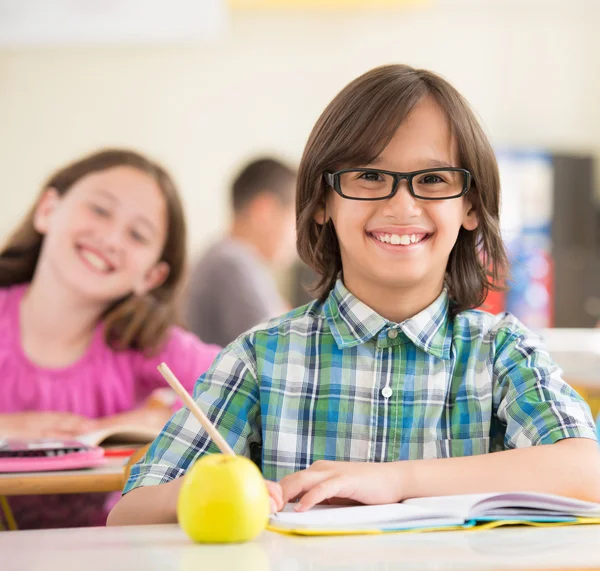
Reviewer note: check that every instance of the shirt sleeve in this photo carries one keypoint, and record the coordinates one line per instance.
(530, 397)
(229, 395)
(185, 355)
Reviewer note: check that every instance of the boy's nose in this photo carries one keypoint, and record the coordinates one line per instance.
(403, 201)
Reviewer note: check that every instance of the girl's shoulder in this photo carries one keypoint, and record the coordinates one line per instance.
(181, 350)
(179, 341)
(10, 297)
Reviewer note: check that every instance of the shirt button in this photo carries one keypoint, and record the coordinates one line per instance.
(392, 334)
(386, 392)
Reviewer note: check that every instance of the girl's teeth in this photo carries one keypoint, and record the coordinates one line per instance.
(95, 260)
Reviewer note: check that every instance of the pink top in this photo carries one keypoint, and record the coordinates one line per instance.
(102, 382)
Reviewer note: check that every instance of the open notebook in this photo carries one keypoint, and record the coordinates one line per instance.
(82, 451)
(126, 434)
(444, 512)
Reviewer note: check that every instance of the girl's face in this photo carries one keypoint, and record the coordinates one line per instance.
(372, 264)
(104, 236)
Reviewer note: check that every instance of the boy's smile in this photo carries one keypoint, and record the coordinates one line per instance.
(397, 239)
(398, 248)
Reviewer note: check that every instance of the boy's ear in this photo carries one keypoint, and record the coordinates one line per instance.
(470, 216)
(320, 215)
(155, 277)
(44, 209)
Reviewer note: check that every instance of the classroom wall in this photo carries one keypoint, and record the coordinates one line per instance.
(529, 68)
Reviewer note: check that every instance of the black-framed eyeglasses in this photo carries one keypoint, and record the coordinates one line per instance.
(375, 184)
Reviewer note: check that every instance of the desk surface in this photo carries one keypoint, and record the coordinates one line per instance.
(105, 478)
(166, 548)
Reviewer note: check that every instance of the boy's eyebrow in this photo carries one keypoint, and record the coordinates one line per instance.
(431, 163)
(435, 163)
(142, 219)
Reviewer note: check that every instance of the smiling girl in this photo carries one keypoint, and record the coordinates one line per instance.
(88, 284)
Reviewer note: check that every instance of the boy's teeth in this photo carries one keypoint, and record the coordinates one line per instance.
(399, 239)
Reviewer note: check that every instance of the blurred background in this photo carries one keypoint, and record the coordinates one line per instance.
(203, 85)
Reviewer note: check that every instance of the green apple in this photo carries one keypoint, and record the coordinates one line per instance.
(223, 499)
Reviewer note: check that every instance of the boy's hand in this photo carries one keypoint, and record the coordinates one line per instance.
(344, 482)
(276, 496)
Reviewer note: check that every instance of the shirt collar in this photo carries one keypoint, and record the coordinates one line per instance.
(352, 322)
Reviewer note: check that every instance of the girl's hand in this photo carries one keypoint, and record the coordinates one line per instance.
(153, 417)
(276, 496)
(344, 482)
(43, 424)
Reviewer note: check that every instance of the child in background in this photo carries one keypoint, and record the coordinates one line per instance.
(389, 385)
(88, 285)
(232, 287)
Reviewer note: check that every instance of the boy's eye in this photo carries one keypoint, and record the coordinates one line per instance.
(370, 176)
(432, 178)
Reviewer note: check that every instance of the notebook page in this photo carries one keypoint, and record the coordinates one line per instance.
(460, 505)
(130, 434)
(513, 502)
(471, 506)
(335, 517)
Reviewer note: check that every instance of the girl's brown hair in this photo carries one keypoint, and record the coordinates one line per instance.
(354, 129)
(138, 322)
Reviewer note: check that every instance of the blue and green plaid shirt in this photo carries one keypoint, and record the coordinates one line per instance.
(334, 380)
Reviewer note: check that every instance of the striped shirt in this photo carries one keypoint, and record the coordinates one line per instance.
(334, 380)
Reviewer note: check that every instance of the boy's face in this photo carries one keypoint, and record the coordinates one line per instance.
(373, 265)
(273, 224)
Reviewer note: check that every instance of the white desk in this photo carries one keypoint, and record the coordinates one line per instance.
(165, 548)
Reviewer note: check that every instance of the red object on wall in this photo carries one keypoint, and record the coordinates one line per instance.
(494, 302)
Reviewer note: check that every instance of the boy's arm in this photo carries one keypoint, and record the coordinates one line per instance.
(150, 504)
(158, 504)
(550, 444)
(228, 394)
(570, 467)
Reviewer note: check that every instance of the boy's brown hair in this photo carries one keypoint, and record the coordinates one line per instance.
(354, 129)
(139, 322)
(263, 175)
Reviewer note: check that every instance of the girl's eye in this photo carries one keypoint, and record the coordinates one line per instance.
(138, 237)
(99, 210)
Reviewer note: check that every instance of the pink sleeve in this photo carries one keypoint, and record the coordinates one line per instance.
(186, 356)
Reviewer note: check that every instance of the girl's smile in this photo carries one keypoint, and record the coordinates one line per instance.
(105, 236)
(95, 260)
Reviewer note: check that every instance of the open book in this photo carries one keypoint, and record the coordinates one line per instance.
(130, 434)
(443, 512)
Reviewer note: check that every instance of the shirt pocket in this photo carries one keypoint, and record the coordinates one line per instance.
(456, 447)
